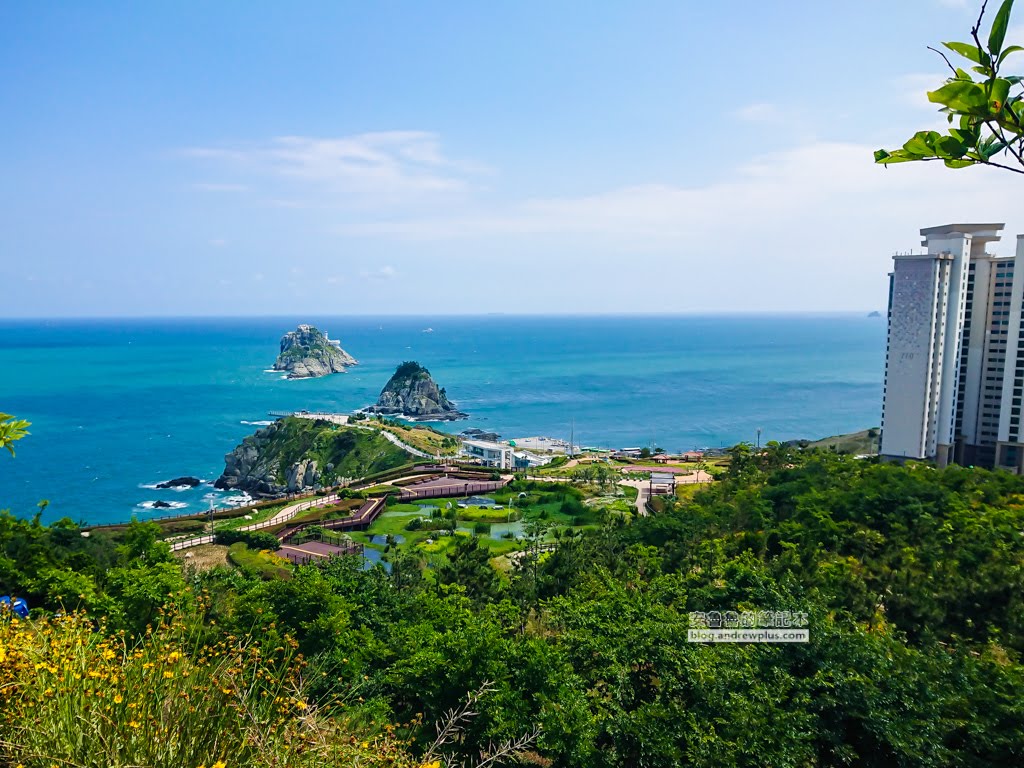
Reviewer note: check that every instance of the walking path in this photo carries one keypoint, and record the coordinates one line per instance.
(393, 439)
(283, 516)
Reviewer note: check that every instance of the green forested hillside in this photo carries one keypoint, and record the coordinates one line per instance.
(911, 579)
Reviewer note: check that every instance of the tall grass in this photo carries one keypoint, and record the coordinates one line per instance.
(73, 695)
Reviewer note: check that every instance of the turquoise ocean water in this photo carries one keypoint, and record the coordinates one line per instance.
(119, 405)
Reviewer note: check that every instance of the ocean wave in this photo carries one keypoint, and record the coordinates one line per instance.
(159, 486)
(170, 505)
(270, 370)
(238, 501)
(256, 423)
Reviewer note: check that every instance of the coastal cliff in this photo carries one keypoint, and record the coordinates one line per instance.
(296, 454)
(413, 394)
(307, 353)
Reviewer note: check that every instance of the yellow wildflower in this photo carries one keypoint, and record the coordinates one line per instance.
(219, 764)
(168, 675)
(118, 698)
(173, 656)
(134, 724)
(108, 654)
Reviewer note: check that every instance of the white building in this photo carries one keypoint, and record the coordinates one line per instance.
(496, 455)
(502, 455)
(953, 379)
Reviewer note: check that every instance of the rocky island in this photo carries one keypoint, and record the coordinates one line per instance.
(413, 394)
(307, 353)
(294, 454)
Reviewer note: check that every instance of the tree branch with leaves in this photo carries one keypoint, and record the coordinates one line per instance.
(988, 112)
(11, 429)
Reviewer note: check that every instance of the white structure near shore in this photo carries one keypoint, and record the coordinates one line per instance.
(501, 455)
(954, 374)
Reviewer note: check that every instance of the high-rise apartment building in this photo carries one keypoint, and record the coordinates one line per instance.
(954, 366)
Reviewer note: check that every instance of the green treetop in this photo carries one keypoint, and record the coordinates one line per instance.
(986, 114)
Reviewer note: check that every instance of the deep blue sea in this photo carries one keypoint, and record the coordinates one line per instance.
(119, 405)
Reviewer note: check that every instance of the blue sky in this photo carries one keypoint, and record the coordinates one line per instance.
(418, 157)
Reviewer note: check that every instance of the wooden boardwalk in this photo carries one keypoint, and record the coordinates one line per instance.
(360, 521)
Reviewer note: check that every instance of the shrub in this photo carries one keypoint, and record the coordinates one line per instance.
(266, 566)
(81, 697)
(482, 529)
(253, 539)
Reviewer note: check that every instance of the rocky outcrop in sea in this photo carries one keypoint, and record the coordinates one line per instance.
(300, 455)
(254, 467)
(307, 353)
(413, 394)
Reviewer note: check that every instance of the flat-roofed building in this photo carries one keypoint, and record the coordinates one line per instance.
(496, 455)
(954, 367)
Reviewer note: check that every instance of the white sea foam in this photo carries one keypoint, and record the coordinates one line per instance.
(170, 505)
(238, 501)
(256, 423)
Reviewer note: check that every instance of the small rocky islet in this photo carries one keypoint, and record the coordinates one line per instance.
(412, 394)
(308, 353)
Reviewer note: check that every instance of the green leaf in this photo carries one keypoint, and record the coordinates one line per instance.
(999, 25)
(1008, 51)
(993, 149)
(969, 51)
(967, 137)
(1000, 91)
(962, 75)
(958, 163)
(982, 71)
(921, 144)
(961, 96)
(899, 156)
(948, 147)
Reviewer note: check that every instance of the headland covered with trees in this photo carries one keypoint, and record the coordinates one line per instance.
(910, 579)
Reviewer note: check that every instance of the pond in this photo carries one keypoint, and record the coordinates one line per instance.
(497, 529)
(382, 539)
(516, 529)
(372, 557)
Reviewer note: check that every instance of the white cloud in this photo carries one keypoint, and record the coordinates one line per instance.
(384, 273)
(761, 112)
(387, 164)
(814, 199)
(913, 89)
(218, 242)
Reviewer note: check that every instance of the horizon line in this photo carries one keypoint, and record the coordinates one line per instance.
(292, 316)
